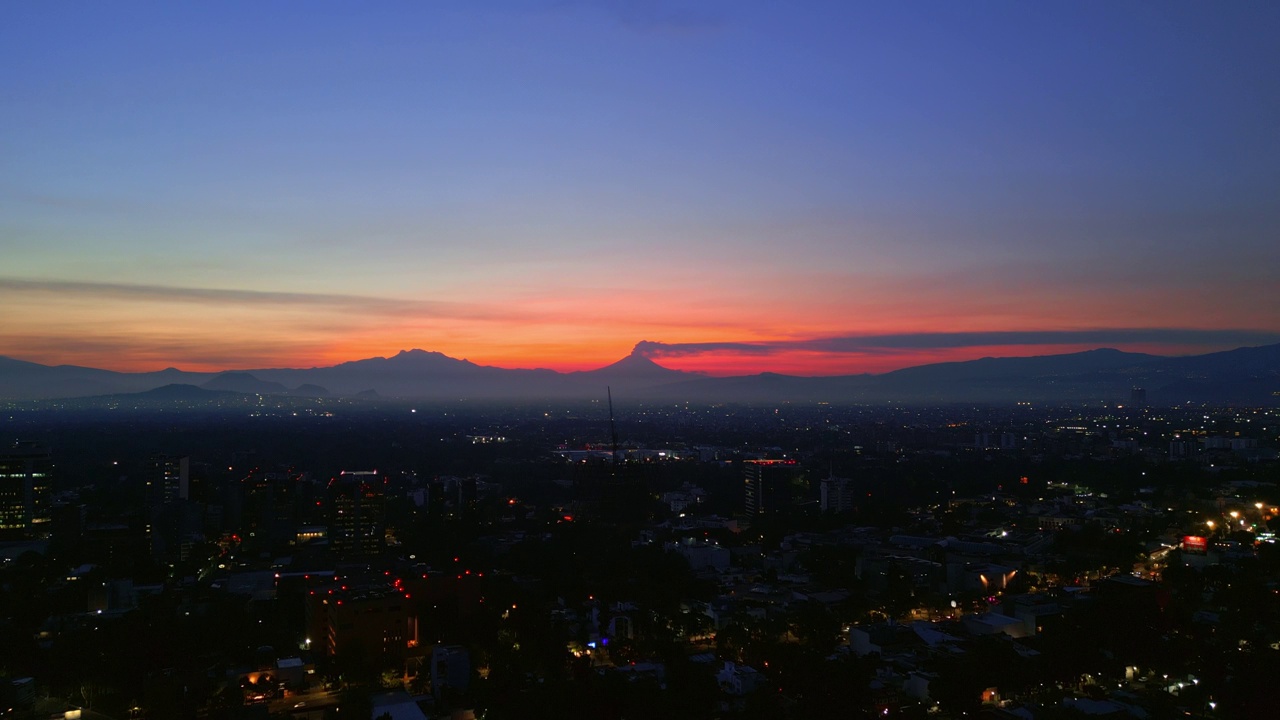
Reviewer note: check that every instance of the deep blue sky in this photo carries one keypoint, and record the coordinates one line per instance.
(547, 183)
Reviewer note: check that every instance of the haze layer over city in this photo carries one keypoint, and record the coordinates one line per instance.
(639, 359)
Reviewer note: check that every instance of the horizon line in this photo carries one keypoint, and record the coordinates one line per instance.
(643, 351)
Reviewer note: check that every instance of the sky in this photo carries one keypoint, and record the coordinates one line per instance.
(730, 187)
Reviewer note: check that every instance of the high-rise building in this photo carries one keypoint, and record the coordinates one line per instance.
(169, 479)
(767, 485)
(169, 519)
(836, 494)
(357, 513)
(268, 508)
(25, 479)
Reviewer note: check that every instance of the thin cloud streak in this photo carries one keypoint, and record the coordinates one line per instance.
(150, 354)
(215, 296)
(864, 344)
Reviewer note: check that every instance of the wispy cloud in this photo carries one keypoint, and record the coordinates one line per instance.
(153, 352)
(231, 296)
(865, 344)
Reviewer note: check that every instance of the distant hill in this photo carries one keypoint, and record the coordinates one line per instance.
(165, 396)
(1240, 376)
(1244, 376)
(308, 390)
(243, 382)
(173, 392)
(21, 380)
(1083, 376)
(1041, 366)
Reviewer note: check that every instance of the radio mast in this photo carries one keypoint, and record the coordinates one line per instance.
(613, 429)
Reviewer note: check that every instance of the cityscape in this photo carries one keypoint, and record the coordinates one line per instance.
(280, 556)
(639, 360)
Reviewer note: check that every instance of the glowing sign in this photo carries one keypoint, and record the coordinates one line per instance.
(1194, 544)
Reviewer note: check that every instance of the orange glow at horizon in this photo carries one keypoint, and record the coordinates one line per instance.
(716, 364)
(142, 328)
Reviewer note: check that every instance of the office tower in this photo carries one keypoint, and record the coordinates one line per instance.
(268, 508)
(170, 522)
(767, 485)
(836, 494)
(25, 479)
(357, 519)
(168, 479)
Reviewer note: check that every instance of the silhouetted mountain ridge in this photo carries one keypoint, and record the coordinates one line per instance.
(1240, 376)
(1022, 367)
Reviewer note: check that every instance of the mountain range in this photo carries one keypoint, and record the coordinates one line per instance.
(1248, 375)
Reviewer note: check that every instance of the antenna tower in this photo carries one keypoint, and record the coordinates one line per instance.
(613, 429)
